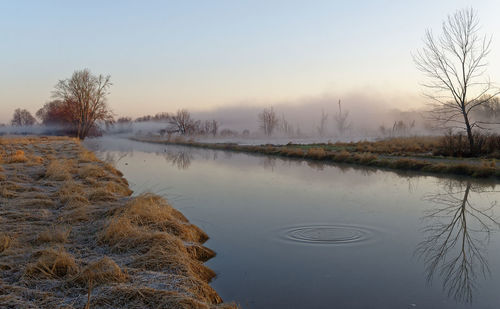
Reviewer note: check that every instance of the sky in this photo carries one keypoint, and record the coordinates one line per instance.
(204, 55)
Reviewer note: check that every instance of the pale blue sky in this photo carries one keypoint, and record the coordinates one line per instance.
(163, 55)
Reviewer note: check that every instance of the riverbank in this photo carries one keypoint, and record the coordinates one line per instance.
(71, 235)
(408, 154)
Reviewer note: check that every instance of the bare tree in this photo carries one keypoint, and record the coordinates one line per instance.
(214, 127)
(182, 123)
(84, 94)
(342, 122)
(322, 123)
(210, 127)
(401, 128)
(22, 117)
(228, 133)
(285, 126)
(455, 65)
(268, 121)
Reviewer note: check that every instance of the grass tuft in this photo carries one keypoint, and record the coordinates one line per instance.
(122, 235)
(17, 157)
(162, 258)
(54, 234)
(59, 170)
(5, 242)
(71, 193)
(86, 156)
(100, 195)
(52, 263)
(117, 188)
(91, 171)
(103, 271)
(154, 211)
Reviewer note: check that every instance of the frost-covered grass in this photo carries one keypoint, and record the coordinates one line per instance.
(72, 236)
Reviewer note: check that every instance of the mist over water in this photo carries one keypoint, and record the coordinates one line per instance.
(366, 114)
(37, 129)
(368, 118)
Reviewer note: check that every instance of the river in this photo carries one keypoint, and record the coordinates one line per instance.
(298, 234)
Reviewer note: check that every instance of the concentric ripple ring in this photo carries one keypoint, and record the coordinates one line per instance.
(326, 234)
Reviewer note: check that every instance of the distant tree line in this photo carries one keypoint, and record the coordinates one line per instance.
(269, 123)
(182, 123)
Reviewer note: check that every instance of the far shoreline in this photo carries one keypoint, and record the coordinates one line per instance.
(483, 168)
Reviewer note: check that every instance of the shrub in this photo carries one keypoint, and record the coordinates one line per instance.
(365, 157)
(316, 153)
(457, 145)
(341, 156)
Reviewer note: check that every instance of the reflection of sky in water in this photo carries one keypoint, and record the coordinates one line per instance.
(247, 203)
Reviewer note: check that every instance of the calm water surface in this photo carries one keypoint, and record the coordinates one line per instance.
(293, 234)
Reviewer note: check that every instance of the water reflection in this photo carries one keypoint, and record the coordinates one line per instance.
(180, 159)
(457, 233)
(268, 163)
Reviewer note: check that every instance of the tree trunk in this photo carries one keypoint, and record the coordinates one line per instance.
(469, 134)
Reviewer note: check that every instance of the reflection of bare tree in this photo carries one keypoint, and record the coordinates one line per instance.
(181, 159)
(114, 157)
(268, 163)
(456, 237)
(319, 166)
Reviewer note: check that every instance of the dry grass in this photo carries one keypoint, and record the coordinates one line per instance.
(51, 263)
(100, 195)
(113, 170)
(342, 155)
(87, 156)
(117, 188)
(17, 157)
(144, 297)
(77, 213)
(399, 145)
(200, 253)
(91, 171)
(103, 271)
(6, 193)
(293, 152)
(71, 193)
(316, 153)
(122, 235)
(154, 211)
(364, 158)
(5, 242)
(34, 160)
(59, 170)
(54, 234)
(37, 202)
(162, 258)
(82, 242)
